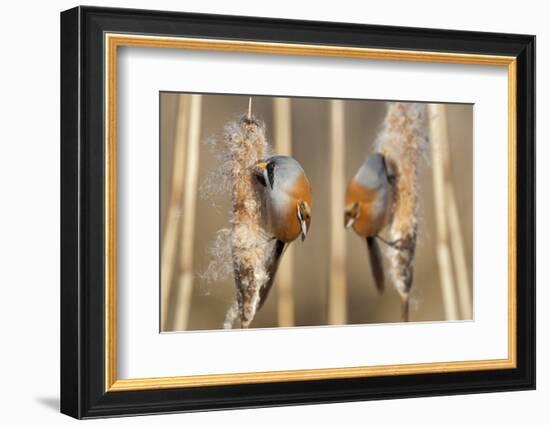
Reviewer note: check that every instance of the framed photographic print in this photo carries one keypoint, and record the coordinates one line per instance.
(261, 212)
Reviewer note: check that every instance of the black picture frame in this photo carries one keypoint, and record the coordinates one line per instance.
(83, 392)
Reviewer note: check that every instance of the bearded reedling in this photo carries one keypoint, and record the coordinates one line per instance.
(368, 208)
(287, 193)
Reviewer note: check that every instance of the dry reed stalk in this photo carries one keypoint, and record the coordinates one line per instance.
(245, 145)
(459, 257)
(440, 170)
(282, 117)
(455, 231)
(337, 313)
(187, 229)
(169, 240)
(403, 138)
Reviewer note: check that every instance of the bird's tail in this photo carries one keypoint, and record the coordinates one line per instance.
(271, 269)
(376, 263)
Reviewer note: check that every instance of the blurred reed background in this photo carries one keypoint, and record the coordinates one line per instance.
(319, 282)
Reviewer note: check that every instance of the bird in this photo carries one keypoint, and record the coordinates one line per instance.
(368, 208)
(288, 201)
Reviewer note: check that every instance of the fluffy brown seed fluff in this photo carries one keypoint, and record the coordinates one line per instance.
(404, 139)
(245, 144)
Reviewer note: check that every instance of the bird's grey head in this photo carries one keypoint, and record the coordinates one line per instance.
(279, 172)
(373, 173)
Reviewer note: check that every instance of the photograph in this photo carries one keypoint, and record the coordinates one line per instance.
(279, 212)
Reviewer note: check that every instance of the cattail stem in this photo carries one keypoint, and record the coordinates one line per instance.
(282, 118)
(403, 139)
(245, 144)
(440, 169)
(405, 303)
(337, 313)
(169, 240)
(187, 231)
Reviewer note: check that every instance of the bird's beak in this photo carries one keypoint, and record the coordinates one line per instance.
(351, 214)
(303, 221)
(260, 171)
(304, 230)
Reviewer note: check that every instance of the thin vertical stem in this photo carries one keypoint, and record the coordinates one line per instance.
(438, 138)
(169, 240)
(405, 307)
(337, 313)
(282, 117)
(459, 257)
(455, 232)
(187, 235)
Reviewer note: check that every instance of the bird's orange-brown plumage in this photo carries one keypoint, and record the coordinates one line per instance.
(290, 228)
(301, 189)
(367, 224)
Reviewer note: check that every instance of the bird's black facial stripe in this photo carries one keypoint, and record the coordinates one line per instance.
(271, 174)
(261, 179)
(389, 171)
